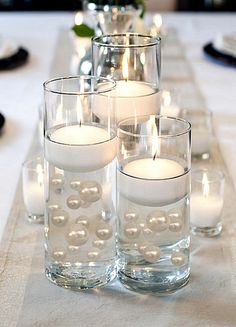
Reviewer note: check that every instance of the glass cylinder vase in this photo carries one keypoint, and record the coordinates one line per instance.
(112, 17)
(79, 150)
(153, 188)
(133, 61)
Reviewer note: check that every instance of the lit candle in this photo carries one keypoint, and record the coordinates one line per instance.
(153, 181)
(80, 148)
(205, 209)
(130, 98)
(33, 192)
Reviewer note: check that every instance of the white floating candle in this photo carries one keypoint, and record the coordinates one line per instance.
(130, 98)
(80, 148)
(153, 182)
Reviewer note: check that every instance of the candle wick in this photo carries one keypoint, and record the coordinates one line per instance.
(155, 155)
(80, 123)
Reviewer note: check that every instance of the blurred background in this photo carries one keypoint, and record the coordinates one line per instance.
(152, 5)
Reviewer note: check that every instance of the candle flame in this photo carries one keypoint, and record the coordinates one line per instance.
(39, 170)
(157, 19)
(143, 58)
(78, 18)
(166, 97)
(155, 139)
(124, 151)
(79, 104)
(205, 185)
(125, 64)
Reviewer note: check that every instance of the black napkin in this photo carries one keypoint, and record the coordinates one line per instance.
(2, 121)
(19, 58)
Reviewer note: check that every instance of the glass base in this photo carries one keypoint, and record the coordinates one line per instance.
(35, 219)
(161, 282)
(207, 231)
(81, 275)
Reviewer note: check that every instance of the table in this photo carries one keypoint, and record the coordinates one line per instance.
(21, 95)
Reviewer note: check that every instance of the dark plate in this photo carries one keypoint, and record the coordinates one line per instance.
(218, 56)
(2, 121)
(14, 61)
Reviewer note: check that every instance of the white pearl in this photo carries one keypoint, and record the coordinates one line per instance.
(178, 258)
(175, 217)
(57, 182)
(149, 234)
(52, 207)
(59, 217)
(131, 215)
(104, 231)
(175, 226)
(152, 253)
(142, 248)
(75, 184)
(90, 191)
(93, 254)
(157, 221)
(59, 254)
(78, 236)
(132, 230)
(175, 214)
(73, 202)
(84, 220)
(100, 244)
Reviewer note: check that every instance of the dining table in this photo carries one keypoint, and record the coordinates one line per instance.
(27, 298)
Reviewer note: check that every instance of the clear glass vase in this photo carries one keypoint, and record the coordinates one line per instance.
(112, 17)
(134, 62)
(80, 224)
(153, 190)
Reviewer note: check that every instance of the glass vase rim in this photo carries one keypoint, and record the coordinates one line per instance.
(155, 40)
(84, 77)
(92, 7)
(126, 120)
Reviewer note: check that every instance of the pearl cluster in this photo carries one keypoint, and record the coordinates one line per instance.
(83, 236)
(156, 222)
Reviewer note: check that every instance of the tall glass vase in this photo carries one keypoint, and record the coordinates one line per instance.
(153, 189)
(79, 150)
